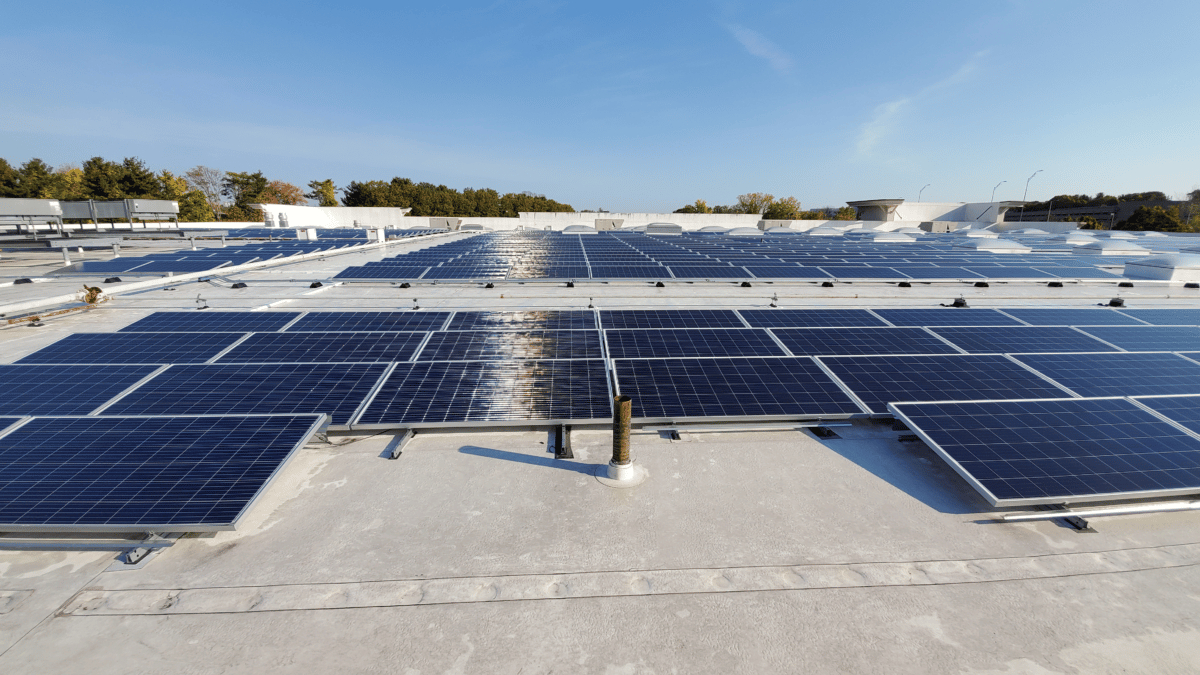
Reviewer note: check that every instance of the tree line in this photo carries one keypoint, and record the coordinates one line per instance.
(427, 199)
(772, 208)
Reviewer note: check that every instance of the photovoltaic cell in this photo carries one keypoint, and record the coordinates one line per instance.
(1149, 338)
(512, 344)
(211, 321)
(629, 272)
(442, 392)
(1013, 339)
(677, 342)
(1182, 409)
(540, 319)
(114, 348)
(862, 272)
(1044, 452)
(336, 389)
(1166, 317)
(810, 318)
(854, 341)
(669, 318)
(1118, 374)
(381, 272)
(731, 387)
(785, 271)
(325, 347)
(880, 380)
(320, 322)
(999, 272)
(63, 390)
(946, 317)
(141, 474)
(708, 272)
(1071, 317)
(939, 273)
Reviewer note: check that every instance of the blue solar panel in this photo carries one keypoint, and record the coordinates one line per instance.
(1012, 339)
(938, 272)
(998, 272)
(381, 272)
(141, 474)
(810, 318)
(664, 342)
(109, 266)
(862, 272)
(325, 347)
(1043, 452)
(63, 390)
(708, 272)
(550, 272)
(211, 321)
(1118, 374)
(785, 271)
(1149, 338)
(321, 322)
(731, 387)
(629, 272)
(946, 317)
(181, 266)
(880, 380)
(513, 344)
(1166, 317)
(553, 319)
(1071, 317)
(336, 389)
(1079, 273)
(862, 340)
(1183, 410)
(447, 392)
(670, 318)
(446, 272)
(114, 348)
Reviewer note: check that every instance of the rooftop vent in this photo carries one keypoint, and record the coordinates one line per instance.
(669, 229)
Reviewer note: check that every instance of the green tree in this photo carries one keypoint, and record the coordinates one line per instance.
(208, 182)
(138, 182)
(194, 208)
(787, 208)
(755, 202)
(1153, 219)
(9, 179)
(700, 206)
(323, 191)
(244, 188)
(35, 178)
(101, 179)
(171, 186)
(1089, 223)
(846, 213)
(279, 192)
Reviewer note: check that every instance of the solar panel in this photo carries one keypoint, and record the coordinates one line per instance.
(915, 272)
(1149, 338)
(63, 390)
(142, 474)
(869, 340)
(1118, 374)
(1078, 273)
(1166, 317)
(321, 322)
(664, 342)
(543, 319)
(325, 347)
(731, 387)
(999, 272)
(182, 266)
(114, 348)
(862, 272)
(810, 318)
(1068, 450)
(211, 321)
(381, 272)
(457, 392)
(670, 318)
(1183, 410)
(708, 272)
(879, 380)
(1012, 339)
(336, 389)
(1071, 317)
(946, 317)
(785, 271)
(513, 344)
(550, 272)
(629, 272)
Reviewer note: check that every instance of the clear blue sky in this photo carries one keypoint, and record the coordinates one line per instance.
(629, 106)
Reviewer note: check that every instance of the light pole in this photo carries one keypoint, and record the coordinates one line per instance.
(1025, 196)
(994, 189)
(922, 190)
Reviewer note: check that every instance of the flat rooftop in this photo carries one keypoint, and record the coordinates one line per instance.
(746, 549)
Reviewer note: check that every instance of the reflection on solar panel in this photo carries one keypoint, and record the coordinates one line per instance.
(1182, 409)
(336, 389)
(670, 318)
(998, 272)
(320, 322)
(1166, 317)
(544, 319)
(325, 347)
(99, 348)
(810, 318)
(448, 272)
(1071, 317)
(708, 272)
(661, 342)
(448, 392)
(210, 321)
(1067, 450)
(629, 272)
(1149, 338)
(381, 272)
(63, 390)
(550, 272)
(731, 387)
(946, 317)
(1012, 339)
(1118, 374)
(1078, 273)
(513, 344)
(141, 474)
(879, 380)
(196, 265)
(851, 341)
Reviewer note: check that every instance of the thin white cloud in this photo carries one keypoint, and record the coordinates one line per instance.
(887, 114)
(758, 45)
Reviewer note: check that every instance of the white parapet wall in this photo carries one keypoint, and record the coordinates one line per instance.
(284, 215)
